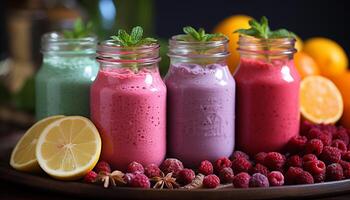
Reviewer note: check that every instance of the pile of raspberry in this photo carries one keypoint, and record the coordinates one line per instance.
(320, 153)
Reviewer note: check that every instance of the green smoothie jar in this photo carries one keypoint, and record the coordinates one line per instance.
(63, 83)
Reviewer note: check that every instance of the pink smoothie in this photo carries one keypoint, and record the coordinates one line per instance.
(129, 111)
(267, 105)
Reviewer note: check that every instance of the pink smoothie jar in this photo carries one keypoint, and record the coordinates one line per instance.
(201, 100)
(267, 99)
(128, 105)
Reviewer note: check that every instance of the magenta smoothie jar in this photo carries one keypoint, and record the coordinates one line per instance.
(128, 105)
(267, 100)
(200, 101)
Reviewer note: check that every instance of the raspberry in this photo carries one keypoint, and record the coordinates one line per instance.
(140, 181)
(239, 154)
(102, 166)
(90, 177)
(206, 168)
(241, 180)
(331, 129)
(346, 156)
(342, 134)
(226, 175)
(185, 176)
(319, 178)
(258, 180)
(152, 170)
(340, 144)
(294, 161)
(291, 174)
(171, 165)
(274, 161)
(136, 168)
(211, 181)
(314, 146)
(330, 155)
(128, 177)
(276, 178)
(309, 157)
(260, 157)
(241, 165)
(334, 172)
(306, 126)
(315, 167)
(222, 163)
(296, 144)
(259, 168)
(324, 136)
(346, 168)
(304, 178)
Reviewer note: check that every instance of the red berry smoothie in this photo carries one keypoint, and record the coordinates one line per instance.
(129, 110)
(267, 104)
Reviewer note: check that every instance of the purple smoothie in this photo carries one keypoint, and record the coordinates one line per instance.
(201, 101)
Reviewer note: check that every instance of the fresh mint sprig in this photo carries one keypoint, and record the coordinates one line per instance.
(134, 39)
(262, 30)
(199, 35)
(80, 30)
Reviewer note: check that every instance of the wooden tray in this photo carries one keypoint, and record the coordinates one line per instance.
(80, 189)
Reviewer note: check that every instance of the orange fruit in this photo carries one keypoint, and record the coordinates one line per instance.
(320, 100)
(330, 56)
(342, 81)
(305, 65)
(227, 27)
(299, 44)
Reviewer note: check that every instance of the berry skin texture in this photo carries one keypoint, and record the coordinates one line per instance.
(171, 165)
(315, 167)
(239, 154)
(334, 172)
(296, 144)
(211, 181)
(340, 144)
(314, 146)
(241, 180)
(294, 161)
(90, 177)
(136, 168)
(222, 163)
(330, 155)
(291, 175)
(304, 178)
(346, 156)
(341, 134)
(152, 170)
(323, 135)
(140, 181)
(226, 175)
(346, 168)
(206, 168)
(102, 166)
(258, 180)
(274, 161)
(185, 176)
(260, 157)
(319, 178)
(259, 168)
(241, 165)
(128, 177)
(309, 157)
(276, 178)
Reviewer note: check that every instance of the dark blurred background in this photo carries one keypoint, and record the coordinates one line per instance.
(22, 22)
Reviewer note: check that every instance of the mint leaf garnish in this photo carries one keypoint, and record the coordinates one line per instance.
(80, 30)
(133, 39)
(262, 30)
(200, 35)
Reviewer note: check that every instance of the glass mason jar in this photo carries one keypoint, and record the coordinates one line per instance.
(63, 83)
(267, 100)
(128, 105)
(201, 100)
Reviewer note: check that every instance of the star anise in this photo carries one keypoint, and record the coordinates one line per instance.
(115, 178)
(168, 181)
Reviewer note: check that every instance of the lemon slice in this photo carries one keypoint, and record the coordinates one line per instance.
(69, 148)
(23, 155)
(320, 100)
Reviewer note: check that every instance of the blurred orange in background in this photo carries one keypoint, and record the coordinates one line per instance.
(227, 27)
(305, 65)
